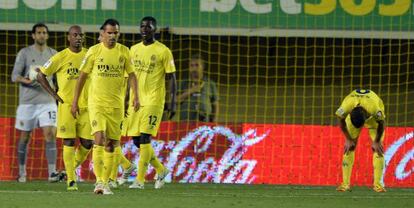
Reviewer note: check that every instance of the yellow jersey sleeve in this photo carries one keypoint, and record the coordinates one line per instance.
(52, 65)
(346, 107)
(88, 61)
(169, 65)
(128, 64)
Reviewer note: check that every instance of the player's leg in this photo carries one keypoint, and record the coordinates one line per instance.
(114, 170)
(22, 154)
(46, 114)
(113, 131)
(144, 159)
(98, 125)
(151, 119)
(82, 151)
(378, 163)
(67, 131)
(348, 158)
(25, 122)
(68, 160)
(83, 129)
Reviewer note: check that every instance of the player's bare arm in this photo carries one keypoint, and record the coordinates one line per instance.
(78, 89)
(350, 143)
(172, 83)
(132, 80)
(23, 80)
(126, 100)
(41, 78)
(377, 145)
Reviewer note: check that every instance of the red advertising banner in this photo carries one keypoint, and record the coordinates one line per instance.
(244, 153)
(312, 155)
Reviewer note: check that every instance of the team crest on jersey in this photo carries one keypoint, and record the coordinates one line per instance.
(121, 60)
(100, 59)
(62, 129)
(153, 58)
(94, 123)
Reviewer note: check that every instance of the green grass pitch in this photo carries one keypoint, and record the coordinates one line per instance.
(42, 194)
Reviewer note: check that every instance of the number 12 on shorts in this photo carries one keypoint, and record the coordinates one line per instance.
(152, 120)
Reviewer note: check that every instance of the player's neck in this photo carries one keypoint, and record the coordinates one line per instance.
(148, 41)
(40, 48)
(108, 45)
(75, 50)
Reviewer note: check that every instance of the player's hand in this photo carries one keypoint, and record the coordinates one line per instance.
(136, 104)
(126, 110)
(349, 145)
(58, 98)
(170, 110)
(74, 110)
(378, 148)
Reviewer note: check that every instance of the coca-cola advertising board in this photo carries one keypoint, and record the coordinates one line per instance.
(252, 154)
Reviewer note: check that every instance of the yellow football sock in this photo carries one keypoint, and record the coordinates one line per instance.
(125, 163)
(378, 163)
(98, 163)
(155, 162)
(81, 155)
(68, 158)
(117, 158)
(108, 165)
(347, 164)
(144, 158)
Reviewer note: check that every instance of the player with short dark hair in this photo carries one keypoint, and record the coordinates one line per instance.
(106, 63)
(153, 63)
(36, 107)
(65, 65)
(362, 107)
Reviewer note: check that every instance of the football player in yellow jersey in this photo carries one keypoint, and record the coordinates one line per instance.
(153, 63)
(106, 63)
(65, 65)
(362, 107)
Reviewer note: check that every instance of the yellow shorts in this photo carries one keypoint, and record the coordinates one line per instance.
(370, 124)
(69, 127)
(146, 120)
(106, 119)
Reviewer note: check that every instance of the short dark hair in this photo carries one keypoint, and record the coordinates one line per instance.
(358, 116)
(150, 18)
(112, 22)
(40, 24)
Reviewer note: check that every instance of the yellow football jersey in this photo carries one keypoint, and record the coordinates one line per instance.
(366, 99)
(65, 65)
(106, 68)
(151, 63)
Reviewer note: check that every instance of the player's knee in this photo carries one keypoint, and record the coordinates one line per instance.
(145, 139)
(24, 136)
(136, 140)
(86, 143)
(69, 142)
(49, 135)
